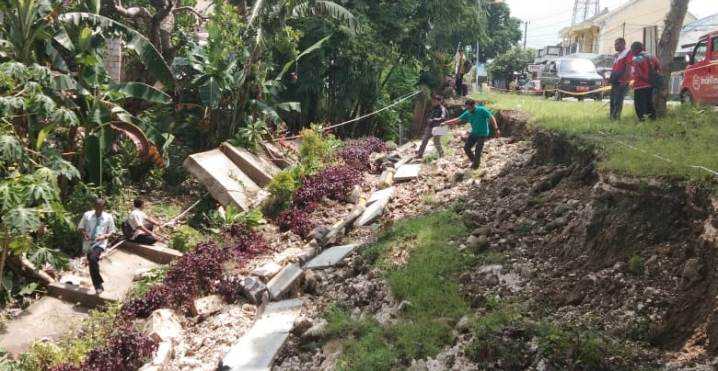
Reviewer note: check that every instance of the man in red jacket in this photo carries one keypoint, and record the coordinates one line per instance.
(644, 68)
(620, 77)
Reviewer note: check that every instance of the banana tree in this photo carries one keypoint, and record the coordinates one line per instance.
(29, 194)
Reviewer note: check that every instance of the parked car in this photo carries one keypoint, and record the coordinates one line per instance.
(571, 74)
(700, 82)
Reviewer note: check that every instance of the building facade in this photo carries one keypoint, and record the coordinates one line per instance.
(637, 20)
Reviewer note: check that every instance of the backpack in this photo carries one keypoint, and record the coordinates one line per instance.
(127, 230)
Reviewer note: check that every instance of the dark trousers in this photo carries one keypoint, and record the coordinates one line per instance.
(644, 103)
(425, 141)
(93, 258)
(145, 239)
(618, 94)
(459, 85)
(474, 154)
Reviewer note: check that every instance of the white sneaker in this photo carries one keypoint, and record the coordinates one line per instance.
(99, 291)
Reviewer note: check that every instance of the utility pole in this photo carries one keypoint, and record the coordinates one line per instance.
(478, 79)
(526, 32)
(585, 9)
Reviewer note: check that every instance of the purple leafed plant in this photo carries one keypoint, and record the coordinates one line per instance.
(356, 153)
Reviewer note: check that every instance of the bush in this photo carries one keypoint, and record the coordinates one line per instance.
(317, 149)
(185, 237)
(295, 220)
(335, 183)
(196, 273)
(356, 153)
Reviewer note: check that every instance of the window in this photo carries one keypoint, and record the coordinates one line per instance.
(715, 48)
(577, 66)
(700, 52)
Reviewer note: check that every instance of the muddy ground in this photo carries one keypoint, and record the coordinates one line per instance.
(633, 259)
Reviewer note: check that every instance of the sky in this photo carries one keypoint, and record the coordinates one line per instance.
(546, 20)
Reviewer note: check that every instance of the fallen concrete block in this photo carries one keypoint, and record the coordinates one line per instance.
(76, 294)
(162, 357)
(407, 172)
(224, 180)
(207, 305)
(331, 256)
(267, 271)
(163, 325)
(284, 281)
(260, 169)
(158, 253)
(253, 289)
(258, 348)
(379, 195)
(279, 158)
(374, 210)
(339, 230)
(387, 178)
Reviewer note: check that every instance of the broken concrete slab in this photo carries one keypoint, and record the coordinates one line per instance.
(163, 325)
(78, 294)
(161, 358)
(387, 178)
(224, 180)
(373, 211)
(47, 318)
(407, 172)
(258, 348)
(278, 157)
(253, 289)
(158, 253)
(267, 271)
(259, 168)
(207, 305)
(381, 194)
(331, 256)
(284, 281)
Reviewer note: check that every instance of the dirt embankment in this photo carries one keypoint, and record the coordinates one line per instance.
(640, 252)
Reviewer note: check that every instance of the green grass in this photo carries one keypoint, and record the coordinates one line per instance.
(687, 136)
(428, 281)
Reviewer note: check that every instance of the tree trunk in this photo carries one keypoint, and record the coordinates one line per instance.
(5, 248)
(666, 49)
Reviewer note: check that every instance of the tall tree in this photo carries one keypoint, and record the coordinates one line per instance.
(666, 49)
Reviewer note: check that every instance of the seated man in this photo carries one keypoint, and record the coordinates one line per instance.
(142, 225)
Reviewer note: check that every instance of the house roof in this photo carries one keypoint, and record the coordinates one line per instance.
(691, 32)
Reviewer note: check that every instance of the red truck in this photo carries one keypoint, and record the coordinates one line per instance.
(700, 82)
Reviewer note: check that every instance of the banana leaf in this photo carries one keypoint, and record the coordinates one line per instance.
(142, 91)
(147, 53)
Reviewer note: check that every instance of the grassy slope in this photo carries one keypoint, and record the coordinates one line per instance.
(688, 136)
(427, 281)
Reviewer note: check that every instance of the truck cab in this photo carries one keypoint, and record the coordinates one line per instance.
(700, 83)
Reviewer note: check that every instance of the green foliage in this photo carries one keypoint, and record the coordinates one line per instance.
(317, 150)
(251, 135)
(153, 277)
(184, 238)
(636, 265)
(514, 60)
(222, 218)
(71, 348)
(282, 188)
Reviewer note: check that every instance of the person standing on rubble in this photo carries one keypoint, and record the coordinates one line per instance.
(478, 116)
(433, 119)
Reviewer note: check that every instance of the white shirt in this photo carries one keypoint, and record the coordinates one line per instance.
(136, 219)
(88, 223)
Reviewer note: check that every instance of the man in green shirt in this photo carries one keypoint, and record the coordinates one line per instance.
(478, 116)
